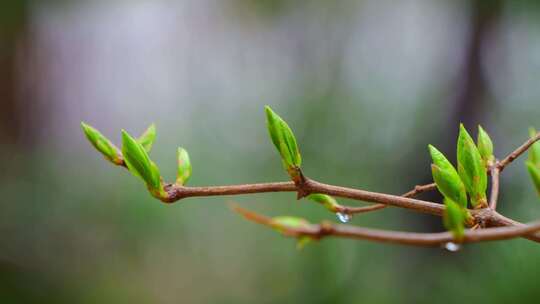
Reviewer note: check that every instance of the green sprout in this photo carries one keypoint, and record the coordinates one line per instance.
(454, 218)
(446, 178)
(148, 137)
(485, 147)
(184, 167)
(102, 144)
(284, 141)
(533, 163)
(471, 169)
(138, 162)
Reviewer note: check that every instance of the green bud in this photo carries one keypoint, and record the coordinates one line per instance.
(326, 200)
(303, 241)
(139, 163)
(184, 167)
(454, 219)
(282, 223)
(284, 140)
(148, 137)
(534, 171)
(471, 169)
(102, 144)
(534, 150)
(485, 146)
(446, 178)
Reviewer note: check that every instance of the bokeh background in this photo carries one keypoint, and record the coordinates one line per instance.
(365, 85)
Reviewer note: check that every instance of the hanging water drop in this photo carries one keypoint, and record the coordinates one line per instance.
(452, 247)
(344, 217)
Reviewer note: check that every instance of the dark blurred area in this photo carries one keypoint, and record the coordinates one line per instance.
(365, 85)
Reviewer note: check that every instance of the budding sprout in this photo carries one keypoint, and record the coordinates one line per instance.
(138, 162)
(285, 142)
(471, 168)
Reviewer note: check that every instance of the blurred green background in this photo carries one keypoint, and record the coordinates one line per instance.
(365, 85)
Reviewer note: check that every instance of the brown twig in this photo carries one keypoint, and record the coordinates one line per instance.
(176, 193)
(500, 227)
(499, 220)
(326, 229)
(420, 189)
(417, 190)
(495, 178)
(516, 153)
(358, 210)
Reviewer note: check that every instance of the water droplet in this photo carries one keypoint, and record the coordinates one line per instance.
(344, 217)
(452, 247)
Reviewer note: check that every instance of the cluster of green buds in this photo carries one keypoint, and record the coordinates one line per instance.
(466, 184)
(533, 163)
(134, 155)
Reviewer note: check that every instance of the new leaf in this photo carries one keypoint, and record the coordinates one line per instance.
(534, 150)
(454, 219)
(139, 163)
(102, 144)
(148, 137)
(326, 200)
(471, 168)
(485, 146)
(283, 139)
(534, 171)
(446, 178)
(184, 167)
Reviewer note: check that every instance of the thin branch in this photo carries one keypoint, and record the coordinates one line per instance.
(430, 239)
(516, 153)
(327, 229)
(417, 190)
(505, 228)
(499, 220)
(358, 210)
(420, 189)
(495, 180)
(179, 192)
(375, 197)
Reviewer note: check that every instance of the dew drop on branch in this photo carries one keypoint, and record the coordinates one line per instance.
(452, 247)
(344, 217)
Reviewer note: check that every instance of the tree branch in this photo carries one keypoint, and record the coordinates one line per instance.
(375, 197)
(417, 190)
(500, 227)
(516, 153)
(326, 229)
(495, 178)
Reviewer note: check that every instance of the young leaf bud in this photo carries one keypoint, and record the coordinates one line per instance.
(454, 219)
(446, 178)
(326, 200)
(471, 169)
(139, 163)
(184, 167)
(102, 144)
(534, 171)
(303, 241)
(485, 146)
(534, 150)
(283, 223)
(284, 140)
(148, 137)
